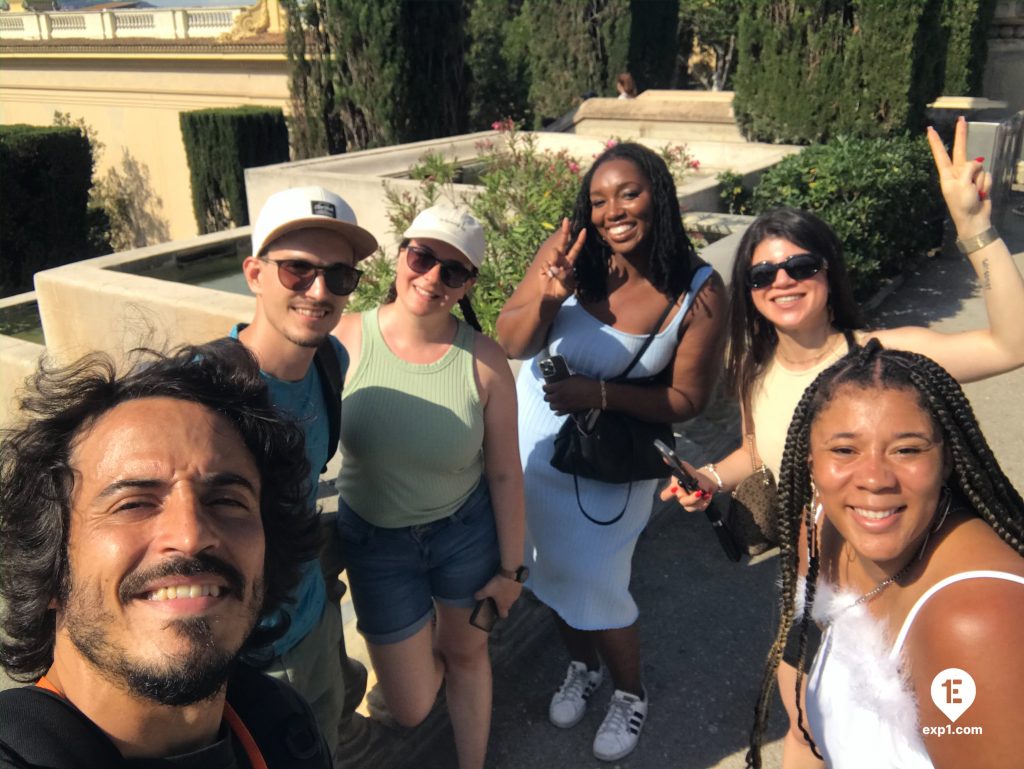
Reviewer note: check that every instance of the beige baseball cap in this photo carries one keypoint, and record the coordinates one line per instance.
(454, 226)
(301, 208)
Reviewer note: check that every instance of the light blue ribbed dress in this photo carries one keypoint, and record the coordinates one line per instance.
(580, 569)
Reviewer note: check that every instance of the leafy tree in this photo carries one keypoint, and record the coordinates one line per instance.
(713, 25)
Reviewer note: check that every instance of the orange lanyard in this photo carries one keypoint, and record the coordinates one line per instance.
(239, 729)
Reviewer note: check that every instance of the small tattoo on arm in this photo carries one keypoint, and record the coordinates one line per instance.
(986, 281)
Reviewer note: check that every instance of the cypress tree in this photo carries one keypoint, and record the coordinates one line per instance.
(810, 70)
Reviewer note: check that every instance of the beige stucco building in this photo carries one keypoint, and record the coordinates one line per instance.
(129, 73)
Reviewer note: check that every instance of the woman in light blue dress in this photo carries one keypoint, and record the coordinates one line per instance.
(594, 292)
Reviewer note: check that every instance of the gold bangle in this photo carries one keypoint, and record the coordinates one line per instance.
(604, 396)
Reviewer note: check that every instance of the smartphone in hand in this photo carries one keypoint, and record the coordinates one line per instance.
(485, 615)
(555, 369)
(688, 482)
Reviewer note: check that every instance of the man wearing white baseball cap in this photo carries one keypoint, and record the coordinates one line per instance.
(305, 246)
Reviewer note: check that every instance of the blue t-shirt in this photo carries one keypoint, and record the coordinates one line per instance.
(303, 401)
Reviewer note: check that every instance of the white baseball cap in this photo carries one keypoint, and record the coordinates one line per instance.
(301, 208)
(454, 226)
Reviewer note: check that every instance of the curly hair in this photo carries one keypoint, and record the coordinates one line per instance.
(752, 339)
(673, 259)
(37, 479)
(976, 479)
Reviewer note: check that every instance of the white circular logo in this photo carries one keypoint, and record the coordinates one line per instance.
(953, 692)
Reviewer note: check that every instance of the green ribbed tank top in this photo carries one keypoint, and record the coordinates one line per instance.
(412, 434)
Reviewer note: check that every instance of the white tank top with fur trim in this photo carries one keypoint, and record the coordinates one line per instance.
(860, 705)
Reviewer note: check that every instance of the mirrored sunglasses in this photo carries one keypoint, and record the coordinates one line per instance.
(421, 260)
(297, 275)
(798, 267)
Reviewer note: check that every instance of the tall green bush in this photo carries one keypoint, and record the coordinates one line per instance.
(220, 144)
(399, 72)
(881, 196)
(44, 197)
(497, 73)
(651, 56)
(965, 26)
(571, 48)
(314, 123)
(809, 70)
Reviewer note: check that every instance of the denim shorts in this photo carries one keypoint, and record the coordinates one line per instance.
(395, 575)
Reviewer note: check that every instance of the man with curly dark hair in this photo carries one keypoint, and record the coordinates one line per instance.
(136, 512)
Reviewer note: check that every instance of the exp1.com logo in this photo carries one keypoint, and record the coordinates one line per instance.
(953, 692)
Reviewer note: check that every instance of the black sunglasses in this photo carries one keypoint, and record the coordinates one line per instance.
(297, 275)
(421, 260)
(798, 267)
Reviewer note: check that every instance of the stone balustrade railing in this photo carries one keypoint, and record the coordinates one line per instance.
(1008, 21)
(159, 23)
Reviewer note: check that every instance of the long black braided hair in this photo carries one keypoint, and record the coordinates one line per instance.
(976, 479)
(672, 260)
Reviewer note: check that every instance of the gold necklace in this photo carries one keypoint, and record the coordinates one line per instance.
(813, 359)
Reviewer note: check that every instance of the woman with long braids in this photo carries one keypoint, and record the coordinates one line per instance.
(430, 513)
(595, 292)
(904, 540)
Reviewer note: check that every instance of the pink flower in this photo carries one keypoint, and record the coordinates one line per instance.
(610, 143)
(695, 165)
(574, 166)
(497, 125)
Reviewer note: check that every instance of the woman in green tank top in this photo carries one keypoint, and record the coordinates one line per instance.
(431, 491)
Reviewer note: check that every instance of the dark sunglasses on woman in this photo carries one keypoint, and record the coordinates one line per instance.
(798, 267)
(421, 260)
(297, 275)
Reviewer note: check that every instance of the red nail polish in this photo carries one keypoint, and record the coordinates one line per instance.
(979, 160)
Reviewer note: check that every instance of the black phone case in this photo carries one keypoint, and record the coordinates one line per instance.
(485, 614)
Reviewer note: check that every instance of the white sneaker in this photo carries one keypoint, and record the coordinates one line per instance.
(570, 701)
(620, 731)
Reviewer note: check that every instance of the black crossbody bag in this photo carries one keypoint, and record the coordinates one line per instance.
(619, 448)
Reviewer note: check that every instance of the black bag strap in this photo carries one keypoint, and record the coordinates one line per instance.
(328, 367)
(579, 502)
(647, 341)
(41, 728)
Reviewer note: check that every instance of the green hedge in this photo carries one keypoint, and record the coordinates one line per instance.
(965, 26)
(220, 144)
(809, 71)
(880, 195)
(45, 175)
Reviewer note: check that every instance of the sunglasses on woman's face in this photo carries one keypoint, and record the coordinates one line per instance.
(798, 267)
(421, 260)
(297, 275)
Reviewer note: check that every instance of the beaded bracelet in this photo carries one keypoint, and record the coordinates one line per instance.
(604, 396)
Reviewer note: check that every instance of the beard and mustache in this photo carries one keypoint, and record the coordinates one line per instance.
(189, 677)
